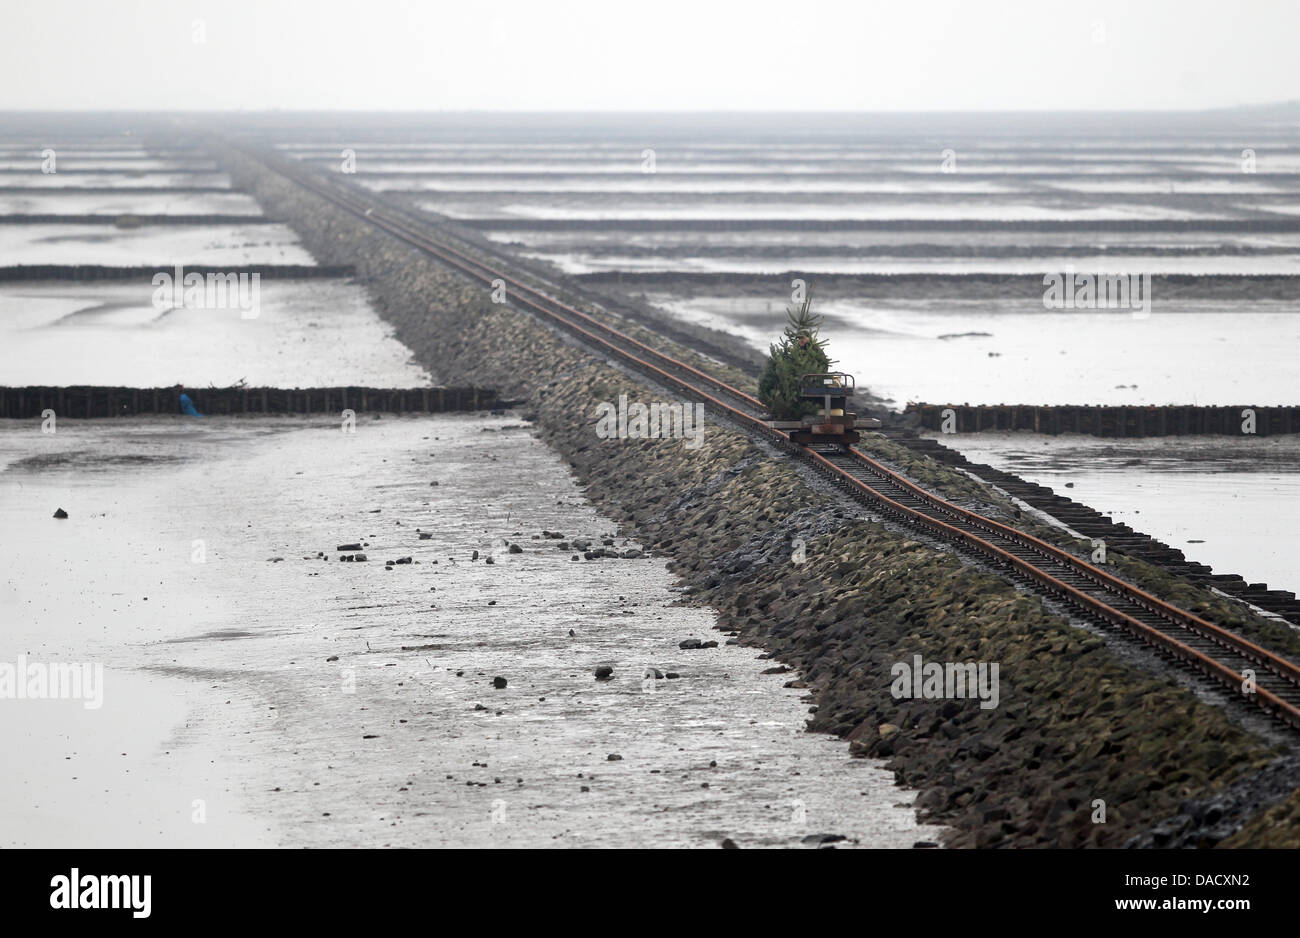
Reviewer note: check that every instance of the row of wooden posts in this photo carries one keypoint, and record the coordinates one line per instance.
(90, 402)
(1116, 421)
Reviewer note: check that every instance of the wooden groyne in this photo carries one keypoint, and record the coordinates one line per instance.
(965, 225)
(965, 286)
(40, 272)
(135, 221)
(1118, 421)
(80, 402)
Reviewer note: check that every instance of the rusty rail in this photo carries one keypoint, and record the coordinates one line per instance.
(747, 410)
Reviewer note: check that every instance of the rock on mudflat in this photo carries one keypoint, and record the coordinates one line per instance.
(498, 682)
(604, 672)
(60, 513)
(692, 643)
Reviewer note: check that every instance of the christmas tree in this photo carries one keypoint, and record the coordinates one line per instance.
(800, 352)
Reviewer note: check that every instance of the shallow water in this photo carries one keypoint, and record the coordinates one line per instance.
(877, 211)
(152, 245)
(387, 745)
(645, 184)
(73, 202)
(307, 333)
(1201, 264)
(69, 160)
(738, 243)
(1016, 352)
(125, 180)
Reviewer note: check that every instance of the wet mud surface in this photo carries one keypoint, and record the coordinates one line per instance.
(353, 703)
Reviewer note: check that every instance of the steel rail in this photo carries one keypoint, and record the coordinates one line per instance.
(678, 374)
(1106, 580)
(522, 292)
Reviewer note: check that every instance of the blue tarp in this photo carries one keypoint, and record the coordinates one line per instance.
(187, 407)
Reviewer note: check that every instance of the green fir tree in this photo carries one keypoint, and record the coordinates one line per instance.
(800, 352)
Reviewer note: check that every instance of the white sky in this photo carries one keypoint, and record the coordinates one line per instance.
(647, 54)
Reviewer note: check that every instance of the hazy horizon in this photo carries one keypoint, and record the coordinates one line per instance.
(671, 57)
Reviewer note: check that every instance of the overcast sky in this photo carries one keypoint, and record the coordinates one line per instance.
(646, 54)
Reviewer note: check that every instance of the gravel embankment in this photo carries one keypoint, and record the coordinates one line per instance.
(1076, 724)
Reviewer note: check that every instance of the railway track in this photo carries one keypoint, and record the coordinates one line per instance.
(1259, 675)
